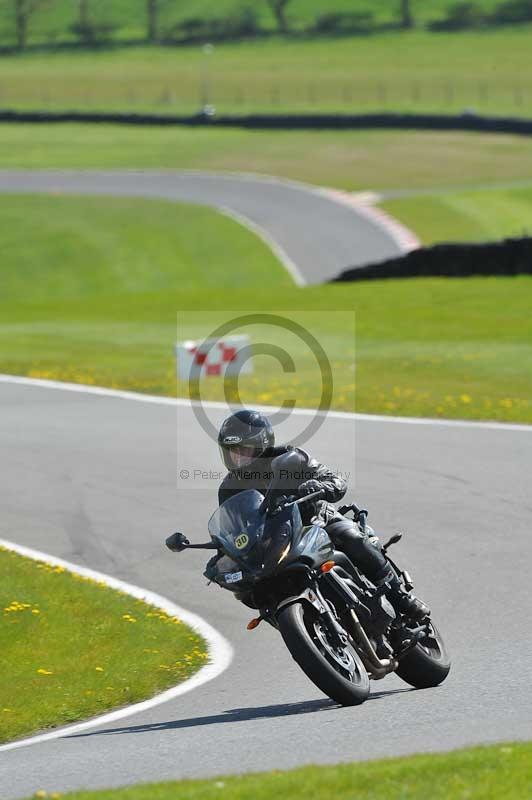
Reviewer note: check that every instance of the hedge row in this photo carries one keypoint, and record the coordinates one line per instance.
(466, 121)
(509, 257)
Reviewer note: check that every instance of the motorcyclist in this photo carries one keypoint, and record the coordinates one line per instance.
(247, 446)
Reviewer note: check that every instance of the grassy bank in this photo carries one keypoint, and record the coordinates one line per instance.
(485, 215)
(416, 71)
(71, 247)
(132, 272)
(349, 160)
(501, 772)
(92, 648)
(451, 348)
(79, 273)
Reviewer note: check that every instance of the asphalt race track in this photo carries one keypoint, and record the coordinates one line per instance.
(319, 236)
(94, 479)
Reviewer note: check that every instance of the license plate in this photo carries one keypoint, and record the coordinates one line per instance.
(233, 577)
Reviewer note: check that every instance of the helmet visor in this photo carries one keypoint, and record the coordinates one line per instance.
(239, 456)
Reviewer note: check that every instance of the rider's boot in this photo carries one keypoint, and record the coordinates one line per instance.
(403, 602)
(374, 564)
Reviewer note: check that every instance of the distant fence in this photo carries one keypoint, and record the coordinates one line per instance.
(463, 122)
(510, 257)
(183, 91)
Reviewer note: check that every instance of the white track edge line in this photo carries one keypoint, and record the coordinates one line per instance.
(219, 649)
(181, 401)
(278, 251)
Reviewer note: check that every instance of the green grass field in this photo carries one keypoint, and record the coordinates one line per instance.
(92, 648)
(389, 71)
(500, 772)
(64, 247)
(455, 348)
(351, 160)
(478, 216)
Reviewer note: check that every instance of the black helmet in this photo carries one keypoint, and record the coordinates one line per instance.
(243, 437)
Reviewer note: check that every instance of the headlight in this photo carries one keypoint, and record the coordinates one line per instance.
(284, 553)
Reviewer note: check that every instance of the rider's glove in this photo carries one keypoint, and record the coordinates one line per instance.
(309, 487)
(280, 501)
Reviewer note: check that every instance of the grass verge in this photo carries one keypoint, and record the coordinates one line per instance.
(457, 348)
(349, 160)
(465, 216)
(500, 772)
(73, 648)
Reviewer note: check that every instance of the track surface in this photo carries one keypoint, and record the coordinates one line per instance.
(94, 480)
(320, 236)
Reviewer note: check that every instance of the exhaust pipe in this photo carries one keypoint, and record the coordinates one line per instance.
(379, 666)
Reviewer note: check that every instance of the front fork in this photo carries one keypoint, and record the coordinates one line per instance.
(313, 596)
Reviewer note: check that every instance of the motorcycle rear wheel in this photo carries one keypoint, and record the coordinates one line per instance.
(427, 664)
(339, 673)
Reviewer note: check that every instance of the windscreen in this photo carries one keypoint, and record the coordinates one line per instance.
(247, 535)
(238, 524)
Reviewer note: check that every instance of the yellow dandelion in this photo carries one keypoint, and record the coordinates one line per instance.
(42, 671)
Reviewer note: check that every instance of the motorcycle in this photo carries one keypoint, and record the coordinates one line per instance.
(337, 625)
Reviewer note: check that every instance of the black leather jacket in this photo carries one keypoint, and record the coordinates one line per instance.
(259, 474)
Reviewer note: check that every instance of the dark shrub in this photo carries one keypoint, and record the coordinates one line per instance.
(512, 11)
(460, 17)
(509, 257)
(337, 23)
(241, 23)
(92, 33)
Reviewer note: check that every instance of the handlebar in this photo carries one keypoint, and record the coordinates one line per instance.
(178, 542)
(319, 495)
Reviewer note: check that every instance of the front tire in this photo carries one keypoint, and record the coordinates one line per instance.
(427, 664)
(340, 674)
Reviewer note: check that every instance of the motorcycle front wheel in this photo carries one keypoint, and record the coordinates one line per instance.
(337, 671)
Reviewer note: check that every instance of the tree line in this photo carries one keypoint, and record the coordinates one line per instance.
(88, 30)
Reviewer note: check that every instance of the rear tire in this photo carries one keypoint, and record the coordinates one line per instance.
(427, 664)
(340, 675)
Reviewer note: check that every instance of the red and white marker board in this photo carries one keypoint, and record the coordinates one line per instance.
(213, 357)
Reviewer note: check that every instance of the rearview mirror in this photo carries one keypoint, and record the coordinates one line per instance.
(177, 542)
